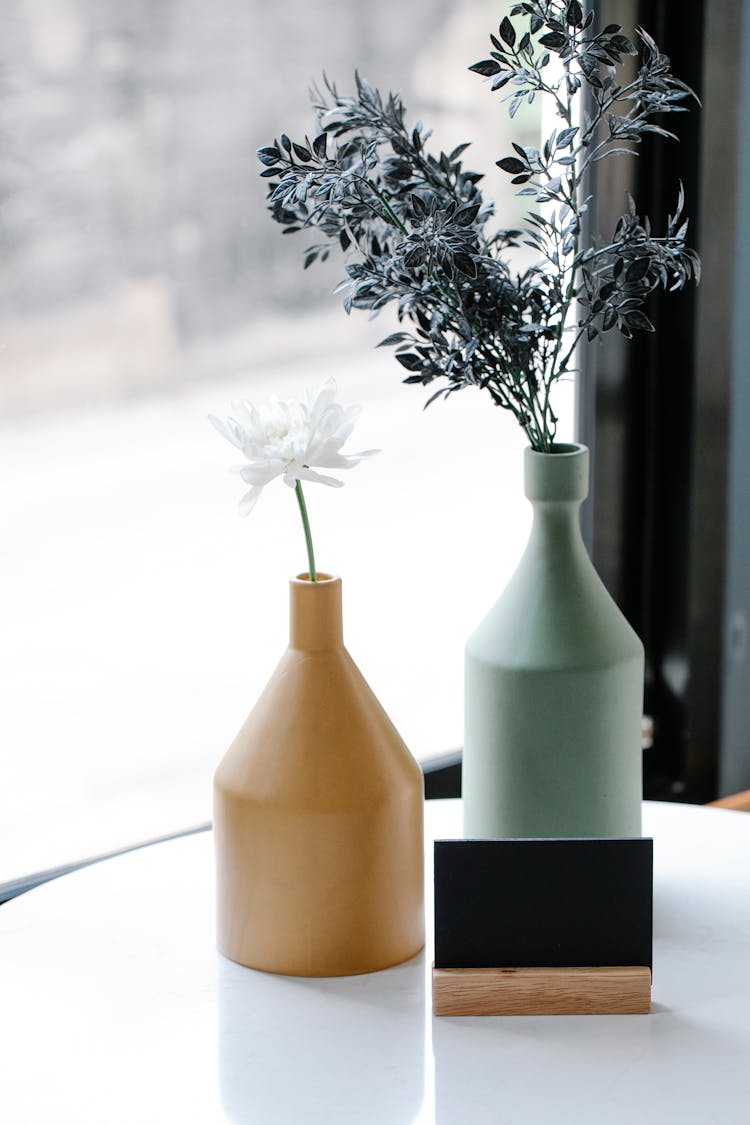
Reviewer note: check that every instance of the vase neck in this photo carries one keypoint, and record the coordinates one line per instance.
(556, 525)
(557, 483)
(315, 618)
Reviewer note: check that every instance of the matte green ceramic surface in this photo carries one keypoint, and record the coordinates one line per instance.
(554, 684)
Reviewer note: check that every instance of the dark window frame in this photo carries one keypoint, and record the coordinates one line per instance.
(658, 412)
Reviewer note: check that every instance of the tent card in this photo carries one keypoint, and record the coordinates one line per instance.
(503, 903)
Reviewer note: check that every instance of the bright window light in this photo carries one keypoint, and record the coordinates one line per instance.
(145, 287)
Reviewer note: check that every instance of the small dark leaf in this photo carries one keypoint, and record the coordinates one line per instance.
(466, 215)
(437, 394)
(409, 360)
(344, 240)
(639, 320)
(303, 153)
(502, 80)
(525, 41)
(574, 14)
(268, 172)
(393, 339)
(415, 257)
(637, 270)
(524, 179)
(268, 155)
(286, 143)
(487, 67)
(566, 136)
(319, 145)
(554, 40)
(536, 24)
(620, 43)
(511, 164)
(507, 32)
(612, 29)
(609, 319)
(465, 264)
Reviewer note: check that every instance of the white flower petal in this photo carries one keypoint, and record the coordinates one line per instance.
(335, 460)
(250, 499)
(262, 474)
(291, 439)
(245, 414)
(318, 478)
(325, 395)
(227, 430)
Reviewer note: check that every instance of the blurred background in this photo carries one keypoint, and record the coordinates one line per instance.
(144, 286)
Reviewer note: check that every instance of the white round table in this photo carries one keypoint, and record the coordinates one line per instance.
(116, 1007)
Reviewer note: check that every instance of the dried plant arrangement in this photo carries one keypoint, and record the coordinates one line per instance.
(416, 231)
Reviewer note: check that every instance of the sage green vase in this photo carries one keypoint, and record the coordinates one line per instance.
(554, 684)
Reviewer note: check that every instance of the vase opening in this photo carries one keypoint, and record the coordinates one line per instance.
(558, 477)
(321, 577)
(562, 448)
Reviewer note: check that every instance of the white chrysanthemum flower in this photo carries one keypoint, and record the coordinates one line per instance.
(291, 439)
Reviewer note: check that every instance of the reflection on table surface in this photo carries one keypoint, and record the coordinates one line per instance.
(111, 982)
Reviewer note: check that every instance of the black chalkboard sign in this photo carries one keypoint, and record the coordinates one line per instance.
(502, 903)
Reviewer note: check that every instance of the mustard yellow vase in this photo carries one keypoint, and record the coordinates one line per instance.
(318, 812)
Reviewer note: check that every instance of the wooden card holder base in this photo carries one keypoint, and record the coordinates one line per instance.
(603, 990)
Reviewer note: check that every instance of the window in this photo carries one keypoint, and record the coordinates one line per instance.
(144, 286)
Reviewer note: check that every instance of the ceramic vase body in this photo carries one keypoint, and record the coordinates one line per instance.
(318, 813)
(554, 684)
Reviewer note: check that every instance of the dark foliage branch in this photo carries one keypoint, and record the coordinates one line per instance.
(415, 227)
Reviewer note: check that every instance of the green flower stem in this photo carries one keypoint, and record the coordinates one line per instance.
(388, 211)
(306, 526)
